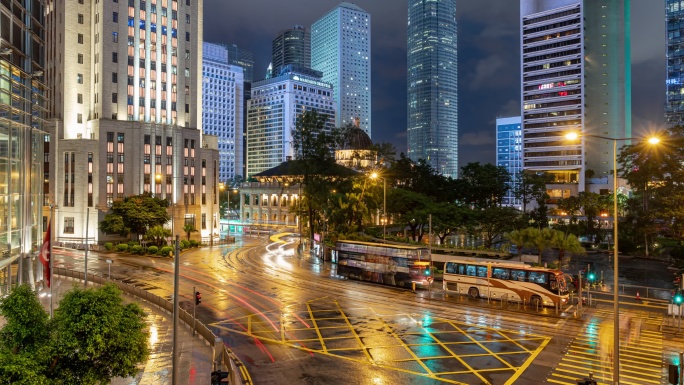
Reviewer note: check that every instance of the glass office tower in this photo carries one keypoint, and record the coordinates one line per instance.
(432, 84)
(509, 154)
(674, 109)
(291, 46)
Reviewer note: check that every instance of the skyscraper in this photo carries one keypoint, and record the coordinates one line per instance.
(432, 84)
(274, 109)
(222, 108)
(243, 58)
(674, 112)
(291, 46)
(22, 136)
(340, 48)
(509, 154)
(576, 76)
(126, 81)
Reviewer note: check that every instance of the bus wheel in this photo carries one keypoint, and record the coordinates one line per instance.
(473, 293)
(536, 301)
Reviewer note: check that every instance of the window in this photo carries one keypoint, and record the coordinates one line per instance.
(115, 17)
(204, 221)
(80, 18)
(79, 99)
(115, 77)
(115, 57)
(79, 118)
(80, 58)
(187, 54)
(68, 225)
(115, 37)
(187, 72)
(187, 18)
(80, 38)
(79, 78)
(187, 36)
(115, 97)
(537, 277)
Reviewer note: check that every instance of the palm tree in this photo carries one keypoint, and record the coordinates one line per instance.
(519, 238)
(566, 242)
(540, 239)
(189, 228)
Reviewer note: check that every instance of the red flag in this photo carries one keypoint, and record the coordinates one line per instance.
(45, 256)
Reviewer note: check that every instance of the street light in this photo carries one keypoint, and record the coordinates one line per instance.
(375, 175)
(616, 308)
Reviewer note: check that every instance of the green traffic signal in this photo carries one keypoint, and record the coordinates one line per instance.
(678, 298)
(591, 276)
(427, 272)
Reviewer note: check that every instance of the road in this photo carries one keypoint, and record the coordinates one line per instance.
(292, 321)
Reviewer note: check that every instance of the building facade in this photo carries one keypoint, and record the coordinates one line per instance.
(125, 80)
(432, 110)
(291, 46)
(340, 49)
(576, 77)
(273, 111)
(222, 108)
(245, 59)
(23, 108)
(674, 108)
(509, 150)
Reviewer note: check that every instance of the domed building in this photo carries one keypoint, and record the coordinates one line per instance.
(356, 150)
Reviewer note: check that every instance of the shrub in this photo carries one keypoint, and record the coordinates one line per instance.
(152, 250)
(184, 244)
(137, 249)
(132, 243)
(193, 243)
(166, 250)
(109, 246)
(123, 247)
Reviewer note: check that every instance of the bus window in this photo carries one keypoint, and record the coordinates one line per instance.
(537, 277)
(451, 268)
(482, 271)
(500, 273)
(461, 269)
(518, 275)
(472, 270)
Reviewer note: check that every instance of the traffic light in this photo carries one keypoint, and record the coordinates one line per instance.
(427, 272)
(198, 298)
(678, 298)
(217, 376)
(591, 276)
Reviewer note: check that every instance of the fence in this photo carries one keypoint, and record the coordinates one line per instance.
(238, 372)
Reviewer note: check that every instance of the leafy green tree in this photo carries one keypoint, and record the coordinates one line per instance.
(188, 229)
(410, 208)
(519, 238)
(483, 186)
(449, 218)
(530, 186)
(541, 239)
(92, 338)
(135, 213)
(158, 235)
(494, 221)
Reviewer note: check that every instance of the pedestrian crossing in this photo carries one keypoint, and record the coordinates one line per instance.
(641, 351)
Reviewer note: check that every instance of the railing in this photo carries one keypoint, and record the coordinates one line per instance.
(238, 371)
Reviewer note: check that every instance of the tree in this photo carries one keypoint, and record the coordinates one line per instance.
(519, 238)
(494, 221)
(158, 235)
(530, 186)
(92, 338)
(483, 186)
(565, 242)
(188, 229)
(136, 214)
(541, 239)
(410, 208)
(448, 218)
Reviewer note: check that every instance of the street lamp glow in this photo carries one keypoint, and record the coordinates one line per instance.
(374, 175)
(571, 136)
(653, 140)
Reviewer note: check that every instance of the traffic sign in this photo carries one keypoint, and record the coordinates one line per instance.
(429, 279)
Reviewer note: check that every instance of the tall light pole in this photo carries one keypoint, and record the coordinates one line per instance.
(616, 306)
(375, 175)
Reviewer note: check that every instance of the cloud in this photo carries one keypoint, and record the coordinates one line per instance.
(510, 108)
(485, 72)
(480, 138)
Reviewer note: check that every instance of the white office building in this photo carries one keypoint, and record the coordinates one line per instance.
(273, 111)
(576, 77)
(340, 49)
(222, 108)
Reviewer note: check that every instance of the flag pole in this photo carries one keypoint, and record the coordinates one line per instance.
(52, 218)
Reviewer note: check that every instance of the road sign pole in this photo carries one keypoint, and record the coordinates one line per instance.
(194, 308)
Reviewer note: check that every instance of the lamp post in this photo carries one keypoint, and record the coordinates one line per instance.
(375, 175)
(616, 298)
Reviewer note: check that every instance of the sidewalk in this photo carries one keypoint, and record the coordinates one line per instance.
(195, 360)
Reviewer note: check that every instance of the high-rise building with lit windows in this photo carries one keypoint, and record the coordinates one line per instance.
(432, 131)
(125, 82)
(340, 49)
(222, 108)
(23, 107)
(576, 76)
(273, 110)
(674, 109)
(509, 154)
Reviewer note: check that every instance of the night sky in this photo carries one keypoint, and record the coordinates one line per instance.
(488, 63)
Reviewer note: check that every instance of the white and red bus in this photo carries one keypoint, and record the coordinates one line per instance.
(395, 265)
(516, 281)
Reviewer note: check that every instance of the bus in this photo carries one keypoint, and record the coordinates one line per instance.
(516, 281)
(395, 265)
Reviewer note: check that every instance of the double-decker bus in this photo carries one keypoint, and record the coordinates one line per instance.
(515, 281)
(382, 263)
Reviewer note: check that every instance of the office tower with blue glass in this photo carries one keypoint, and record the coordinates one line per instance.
(509, 154)
(674, 108)
(432, 83)
(340, 49)
(576, 77)
(291, 46)
(222, 108)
